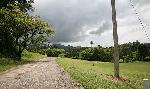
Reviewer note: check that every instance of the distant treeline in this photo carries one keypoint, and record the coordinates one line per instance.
(129, 52)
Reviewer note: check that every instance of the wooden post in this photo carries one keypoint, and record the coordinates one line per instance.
(145, 84)
(115, 38)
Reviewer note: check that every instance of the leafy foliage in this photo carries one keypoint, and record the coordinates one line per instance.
(18, 30)
(135, 51)
(24, 5)
(74, 52)
(54, 52)
(96, 54)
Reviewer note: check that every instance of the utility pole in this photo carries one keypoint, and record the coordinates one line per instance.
(115, 38)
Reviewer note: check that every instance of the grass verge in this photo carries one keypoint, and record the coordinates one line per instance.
(99, 75)
(7, 63)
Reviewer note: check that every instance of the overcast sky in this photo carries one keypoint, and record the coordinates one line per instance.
(77, 22)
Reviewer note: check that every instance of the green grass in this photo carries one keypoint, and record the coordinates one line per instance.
(7, 63)
(99, 75)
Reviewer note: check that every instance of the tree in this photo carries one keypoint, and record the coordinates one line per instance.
(55, 52)
(125, 52)
(18, 30)
(115, 37)
(143, 52)
(96, 54)
(91, 43)
(99, 46)
(24, 5)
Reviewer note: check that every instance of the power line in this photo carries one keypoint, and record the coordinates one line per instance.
(140, 20)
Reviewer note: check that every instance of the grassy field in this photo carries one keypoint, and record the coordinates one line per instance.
(99, 75)
(6, 63)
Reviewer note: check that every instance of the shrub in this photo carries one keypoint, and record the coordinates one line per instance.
(147, 58)
(96, 54)
(42, 51)
(62, 55)
(54, 52)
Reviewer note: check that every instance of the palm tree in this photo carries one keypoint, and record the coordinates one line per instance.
(91, 43)
(115, 38)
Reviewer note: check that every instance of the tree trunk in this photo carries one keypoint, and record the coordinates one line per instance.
(19, 55)
(115, 37)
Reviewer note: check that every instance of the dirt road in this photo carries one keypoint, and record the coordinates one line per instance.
(44, 74)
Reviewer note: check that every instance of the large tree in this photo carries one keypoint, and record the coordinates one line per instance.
(115, 37)
(18, 30)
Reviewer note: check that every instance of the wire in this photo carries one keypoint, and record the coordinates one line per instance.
(140, 21)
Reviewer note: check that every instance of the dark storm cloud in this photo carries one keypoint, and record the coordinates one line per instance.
(70, 16)
(103, 27)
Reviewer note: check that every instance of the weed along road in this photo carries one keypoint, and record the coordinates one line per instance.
(44, 74)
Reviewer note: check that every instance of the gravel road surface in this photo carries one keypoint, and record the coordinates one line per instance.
(44, 74)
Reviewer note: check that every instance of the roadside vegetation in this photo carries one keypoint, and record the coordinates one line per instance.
(18, 31)
(27, 57)
(99, 75)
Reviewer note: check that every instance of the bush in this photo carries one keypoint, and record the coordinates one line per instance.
(95, 54)
(37, 49)
(54, 52)
(62, 55)
(42, 51)
(74, 52)
(147, 58)
(87, 55)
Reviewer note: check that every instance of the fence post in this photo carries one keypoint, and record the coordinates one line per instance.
(145, 84)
